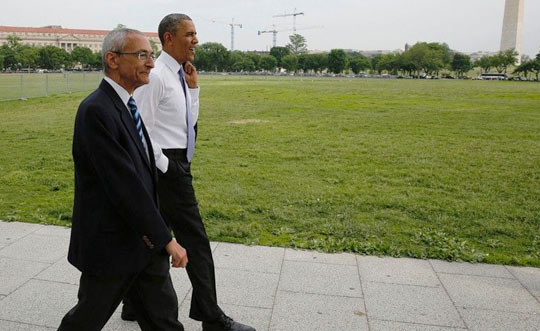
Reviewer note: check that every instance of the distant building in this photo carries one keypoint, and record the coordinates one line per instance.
(478, 55)
(67, 39)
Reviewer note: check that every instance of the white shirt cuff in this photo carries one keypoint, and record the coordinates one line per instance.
(162, 163)
(194, 93)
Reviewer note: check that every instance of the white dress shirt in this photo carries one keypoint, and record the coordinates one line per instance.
(162, 105)
(124, 96)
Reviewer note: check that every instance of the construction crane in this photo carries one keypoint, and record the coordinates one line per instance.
(232, 25)
(275, 32)
(294, 14)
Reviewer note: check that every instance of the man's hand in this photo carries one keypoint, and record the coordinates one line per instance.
(191, 75)
(178, 254)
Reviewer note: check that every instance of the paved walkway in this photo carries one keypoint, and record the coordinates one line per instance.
(283, 289)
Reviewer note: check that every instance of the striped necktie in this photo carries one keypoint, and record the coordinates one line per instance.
(136, 117)
(189, 120)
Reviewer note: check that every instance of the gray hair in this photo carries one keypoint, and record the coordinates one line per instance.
(170, 23)
(115, 41)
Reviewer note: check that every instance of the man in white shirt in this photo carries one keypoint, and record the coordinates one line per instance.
(169, 105)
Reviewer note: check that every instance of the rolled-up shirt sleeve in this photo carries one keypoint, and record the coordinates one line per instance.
(194, 94)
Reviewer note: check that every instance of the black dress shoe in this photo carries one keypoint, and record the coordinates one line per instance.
(225, 323)
(127, 313)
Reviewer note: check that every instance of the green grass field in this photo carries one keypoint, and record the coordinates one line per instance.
(428, 169)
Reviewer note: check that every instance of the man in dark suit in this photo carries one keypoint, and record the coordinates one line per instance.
(119, 241)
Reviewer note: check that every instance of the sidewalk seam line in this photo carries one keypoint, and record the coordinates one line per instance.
(25, 323)
(523, 285)
(417, 323)
(368, 319)
(323, 294)
(277, 289)
(449, 297)
(484, 276)
(401, 284)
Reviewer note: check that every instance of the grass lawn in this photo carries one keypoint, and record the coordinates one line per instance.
(429, 169)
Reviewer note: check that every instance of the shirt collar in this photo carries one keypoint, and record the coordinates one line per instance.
(122, 93)
(170, 62)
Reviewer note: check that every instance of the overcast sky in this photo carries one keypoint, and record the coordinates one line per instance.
(466, 25)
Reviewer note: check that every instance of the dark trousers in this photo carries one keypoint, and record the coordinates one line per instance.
(150, 293)
(179, 208)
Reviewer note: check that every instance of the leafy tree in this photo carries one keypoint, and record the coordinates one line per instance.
(240, 61)
(235, 61)
(535, 67)
(444, 51)
(290, 62)
(155, 48)
(337, 61)
(82, 55)
(525, 68)
(485, 62)
(10, 52)
(212, 57)
(255, 58)
(9, 57)
(268, 62)
(532, 66)
(387, 62)
(425, 57)
(374, 61)
(52, 57)
(303, 62)
(359, 64)
(28, 57)
(318, 62)
(96, 62)
(13, 42)
(279, 53)
(510, 58)
(243, 64)
(461, 63)
(297, 44)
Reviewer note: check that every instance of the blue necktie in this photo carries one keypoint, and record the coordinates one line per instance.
(189, 120)
(136, 117)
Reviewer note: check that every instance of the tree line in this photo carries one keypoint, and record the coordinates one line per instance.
(16, 56)
(420, 59)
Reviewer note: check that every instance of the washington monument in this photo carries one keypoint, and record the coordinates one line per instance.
(512, 25)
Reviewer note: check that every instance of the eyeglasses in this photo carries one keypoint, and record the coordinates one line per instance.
(142, 55)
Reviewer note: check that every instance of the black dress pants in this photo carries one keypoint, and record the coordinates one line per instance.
(179, 208)
(150, 293)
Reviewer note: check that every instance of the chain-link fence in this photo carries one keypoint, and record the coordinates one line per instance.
(22, 86)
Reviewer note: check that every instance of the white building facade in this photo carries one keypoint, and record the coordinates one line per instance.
(66, 39)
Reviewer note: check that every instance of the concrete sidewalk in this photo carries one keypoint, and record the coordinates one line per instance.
(283, 289)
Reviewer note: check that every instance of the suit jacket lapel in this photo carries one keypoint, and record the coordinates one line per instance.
(128, 122)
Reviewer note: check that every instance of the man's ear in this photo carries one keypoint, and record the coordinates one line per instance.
(111, 59)
(167, 37)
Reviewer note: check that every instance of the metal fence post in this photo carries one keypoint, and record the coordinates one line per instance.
(83, 81)
(67, 82)
(22, 93)
(46, 85)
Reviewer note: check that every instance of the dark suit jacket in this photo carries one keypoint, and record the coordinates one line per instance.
(116, 221)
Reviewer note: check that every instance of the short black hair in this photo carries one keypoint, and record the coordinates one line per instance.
(170, 24)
